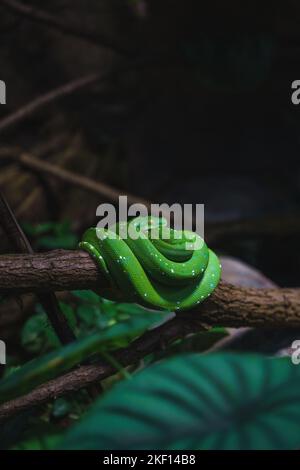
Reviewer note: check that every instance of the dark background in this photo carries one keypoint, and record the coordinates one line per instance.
(195, 107)
(192, 104)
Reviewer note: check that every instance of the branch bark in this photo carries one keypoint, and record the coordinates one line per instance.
(229, 305)
(21, 244)
(66, 270)
(85, 375)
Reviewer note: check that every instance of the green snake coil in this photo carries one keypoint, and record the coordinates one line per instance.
(160, 268)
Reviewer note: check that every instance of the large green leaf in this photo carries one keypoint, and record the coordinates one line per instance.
(59, 361)
(221, 401)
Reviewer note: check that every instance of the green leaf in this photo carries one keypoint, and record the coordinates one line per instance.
(95, 312)
(38, 229)
(52, 234)
(44, 442)
(87, 296)
(221, 401)
(88, 315)
(37, 333)
(67, 242)
(34, 334)
(57, 362)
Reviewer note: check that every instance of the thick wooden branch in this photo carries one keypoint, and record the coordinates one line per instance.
(66, 270)
(56, 270)
(229, 305)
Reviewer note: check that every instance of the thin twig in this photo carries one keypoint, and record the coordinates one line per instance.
(48, 300)
(47, 98)
(21, 244)
(281, 224)
(69, 177)
(42, 17)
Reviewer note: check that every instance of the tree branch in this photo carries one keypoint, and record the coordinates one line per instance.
(229, 305)
(280, 225)
(21, 244)
(104, 190)
(152, 341)
(47, 98)
(66, 270)
(42, 17)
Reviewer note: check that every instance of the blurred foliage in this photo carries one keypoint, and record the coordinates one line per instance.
(51, 365)
(221, 401)
(51, 235)
(90, 314)
(38, 336)
(44, 442)
(175, 398)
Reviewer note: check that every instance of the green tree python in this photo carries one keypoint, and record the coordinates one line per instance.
(153, 265)
(161, 268)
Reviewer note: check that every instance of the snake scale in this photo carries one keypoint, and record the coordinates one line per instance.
(158, 267)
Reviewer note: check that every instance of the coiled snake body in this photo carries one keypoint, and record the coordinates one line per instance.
(160, 268)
